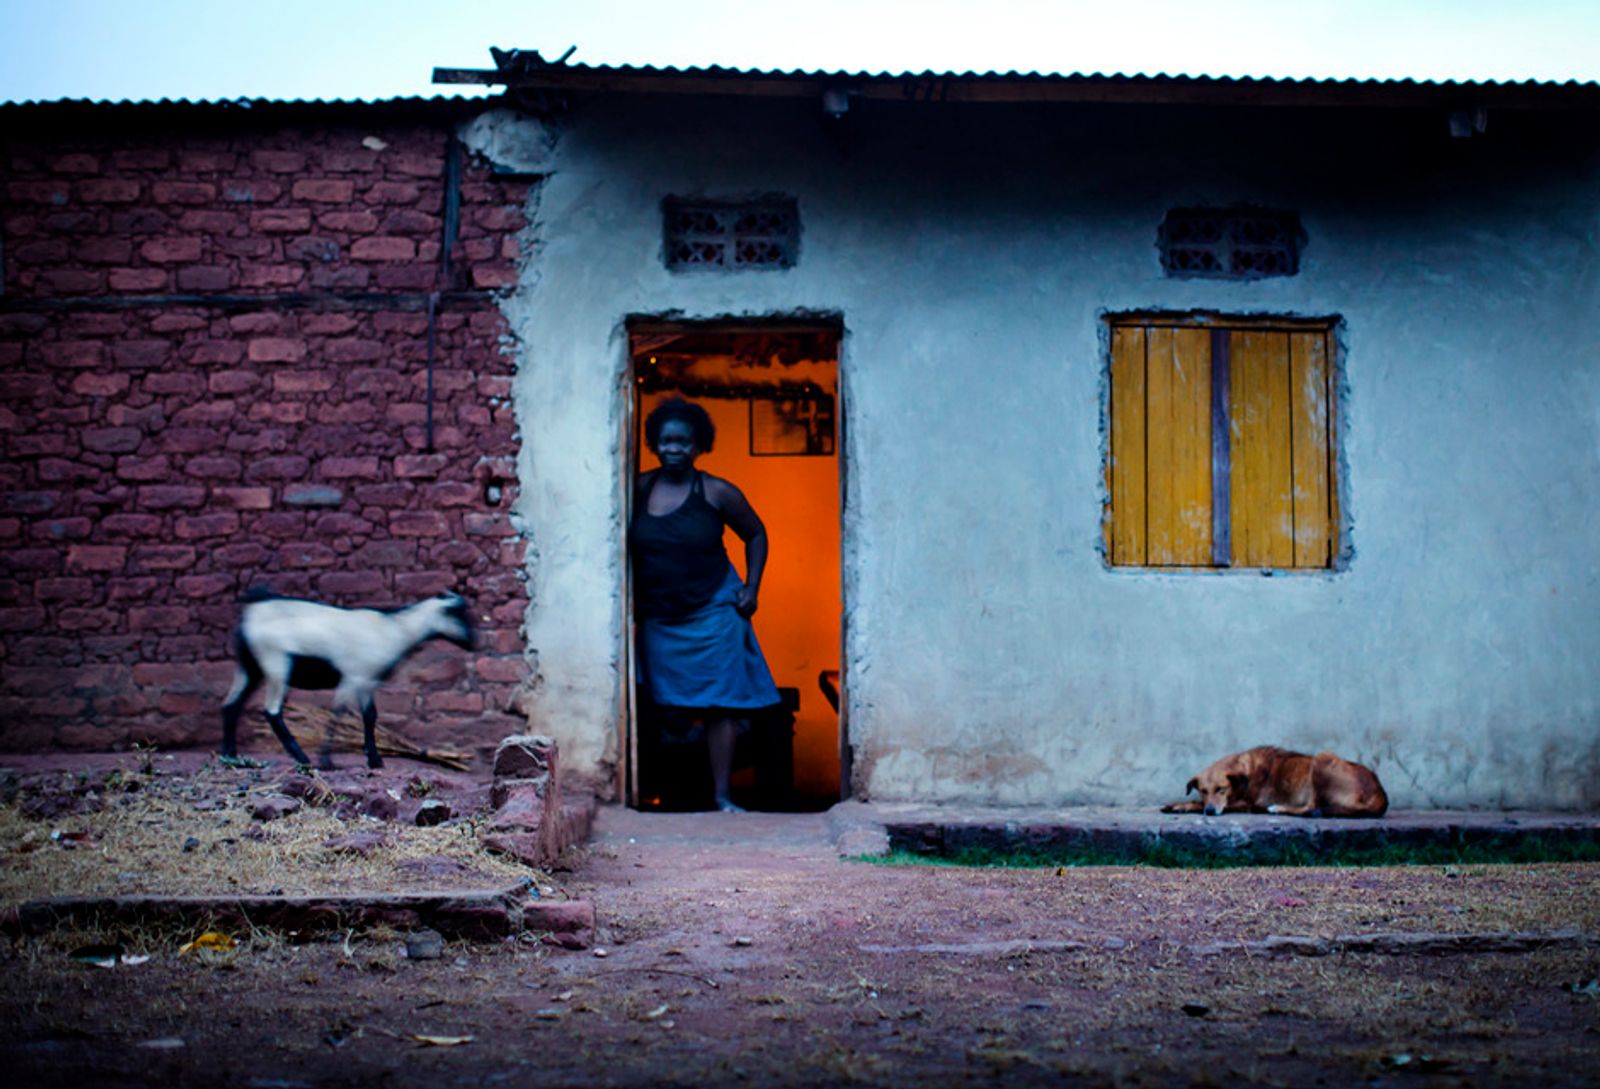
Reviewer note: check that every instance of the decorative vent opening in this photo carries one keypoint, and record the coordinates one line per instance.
(753, 234)
(1230, 243)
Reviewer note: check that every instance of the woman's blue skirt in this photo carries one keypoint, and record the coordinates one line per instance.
(708, 660)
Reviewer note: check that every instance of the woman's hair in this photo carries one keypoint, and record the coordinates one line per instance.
(676, 408)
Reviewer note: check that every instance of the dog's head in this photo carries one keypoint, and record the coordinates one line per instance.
(1217, 787)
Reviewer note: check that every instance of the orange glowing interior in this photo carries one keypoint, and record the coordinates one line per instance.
(772, 397)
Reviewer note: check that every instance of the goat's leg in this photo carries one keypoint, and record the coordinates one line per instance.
(276, 691)
(244, 682)
(369, 730)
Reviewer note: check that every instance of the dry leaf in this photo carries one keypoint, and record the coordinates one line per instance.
(442, 1041)
(211, 939)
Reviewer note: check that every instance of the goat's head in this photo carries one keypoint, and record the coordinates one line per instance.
(452, 619)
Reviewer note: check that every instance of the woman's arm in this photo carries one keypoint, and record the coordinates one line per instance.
(742, 518)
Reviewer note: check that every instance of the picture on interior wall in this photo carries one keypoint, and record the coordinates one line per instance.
(793, 426)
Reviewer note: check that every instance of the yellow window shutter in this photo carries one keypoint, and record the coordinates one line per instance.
(1261, 477)
(1178, 447)
(1127, 445)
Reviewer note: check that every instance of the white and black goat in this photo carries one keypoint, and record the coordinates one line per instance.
(285, 643)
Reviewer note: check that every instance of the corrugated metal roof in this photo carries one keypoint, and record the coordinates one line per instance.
(240, 103)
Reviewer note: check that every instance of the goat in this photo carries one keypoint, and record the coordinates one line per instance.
(285, 643)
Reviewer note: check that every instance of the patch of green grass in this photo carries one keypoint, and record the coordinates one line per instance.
(1516, 851)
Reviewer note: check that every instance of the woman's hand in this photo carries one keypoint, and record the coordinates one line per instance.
(745, 603)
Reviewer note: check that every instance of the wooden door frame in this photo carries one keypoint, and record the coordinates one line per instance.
(628, 712)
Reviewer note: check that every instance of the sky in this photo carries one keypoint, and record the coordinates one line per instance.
(152, 49)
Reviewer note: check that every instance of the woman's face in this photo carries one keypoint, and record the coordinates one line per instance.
(675, 445)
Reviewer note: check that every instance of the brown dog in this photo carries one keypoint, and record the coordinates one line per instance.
(1268, 779)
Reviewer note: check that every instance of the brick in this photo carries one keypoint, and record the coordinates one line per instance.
(312, 248)
(487, 525)
(340, 468)
(459, 702)
(351, 222)
(108, 190)
(141, 353)
(492, 276)
(189, 440)
(215, 351)
(204, 586)
(261, 321)
(386, 553)
(209, 221)
(276, 350)
(214, 468)
(144, 417)
(142, 469)
(138, 279)
(259, 276)
(164, 557)
(452, 493)
(404, 277)
(500, 670)
(306, 554)
(253, 191)
(205, 278)
(16, 387)
(420, 466)
(242, 498)
(281, 220)
(182, 192)
(328, 325)
(313, 495)
(158, 618)
(342, 525)
(58, 470)
(176, 323)
(77, 162)
(354, 350)
(198, 527)
(30, 502)
(324, 190)
(104, 251)
(69, 282)
(171, 497)
(278, 162)
(411, 221)
(140, 221)
(392, 192)
(144, 158)
(128, 524)
(350, 584)
(64, 589)
(365, 380)
(207, 412)
(397, 494)
(244, 554)
(278, 412)
(228, 383)
(288, 467)
(457, 554)
(61, 529)
(418, 523)
(166, 251)
(499, 217)
(89, 558)
(416, 165)
(46, 252)
(111, 440)
(340, 279)
(383, 248)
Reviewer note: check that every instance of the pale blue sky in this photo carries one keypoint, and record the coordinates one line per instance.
(116, 49)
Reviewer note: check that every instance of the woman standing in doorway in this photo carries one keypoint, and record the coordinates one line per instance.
(698, 654)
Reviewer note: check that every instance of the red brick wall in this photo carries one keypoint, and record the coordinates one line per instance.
(213, 354)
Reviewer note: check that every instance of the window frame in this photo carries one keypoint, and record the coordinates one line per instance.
(1314, 345)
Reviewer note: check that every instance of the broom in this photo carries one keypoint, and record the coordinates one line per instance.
(347, 734)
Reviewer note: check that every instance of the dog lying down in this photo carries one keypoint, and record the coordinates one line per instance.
(1268, 779)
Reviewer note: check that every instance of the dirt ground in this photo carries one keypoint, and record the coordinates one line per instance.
(740, 950)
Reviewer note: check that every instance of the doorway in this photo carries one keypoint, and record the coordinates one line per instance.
(772, 392)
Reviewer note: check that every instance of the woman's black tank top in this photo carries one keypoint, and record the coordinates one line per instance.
(679, 561)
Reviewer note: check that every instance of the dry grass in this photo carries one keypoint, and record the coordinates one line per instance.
(136, 843)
